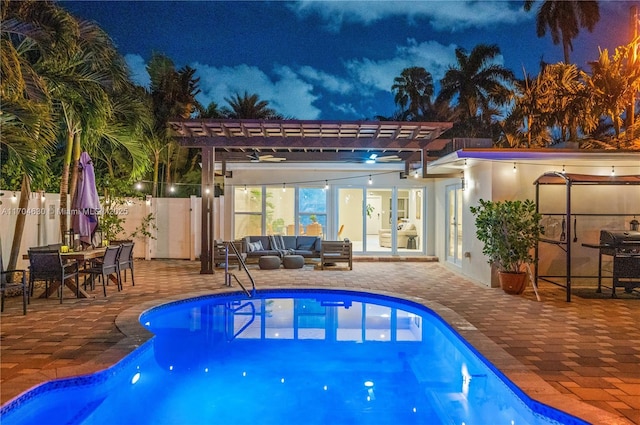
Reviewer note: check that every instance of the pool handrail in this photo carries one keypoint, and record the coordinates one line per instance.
(228, 275)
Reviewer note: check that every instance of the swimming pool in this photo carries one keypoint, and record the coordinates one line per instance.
(290, 357)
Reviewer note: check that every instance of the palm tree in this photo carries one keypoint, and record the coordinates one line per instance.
(477, 84)
(414, 87)
(28, 127)
(173, 95)
(612, 83)
(250, 107)
(563, 19)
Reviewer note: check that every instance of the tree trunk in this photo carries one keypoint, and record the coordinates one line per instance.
(156, 166)
(74, 168)
(64, 184)
(25, 192)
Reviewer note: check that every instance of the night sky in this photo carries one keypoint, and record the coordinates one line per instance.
(333, 60)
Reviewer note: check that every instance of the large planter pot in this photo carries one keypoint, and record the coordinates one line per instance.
(513, 282)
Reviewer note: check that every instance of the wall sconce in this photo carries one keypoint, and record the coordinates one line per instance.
(462, 185)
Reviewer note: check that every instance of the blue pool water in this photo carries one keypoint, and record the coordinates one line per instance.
(290, 357)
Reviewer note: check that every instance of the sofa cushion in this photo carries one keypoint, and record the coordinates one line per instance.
(255, 246)
(306, 243)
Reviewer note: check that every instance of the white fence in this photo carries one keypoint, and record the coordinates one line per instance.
(176, 233)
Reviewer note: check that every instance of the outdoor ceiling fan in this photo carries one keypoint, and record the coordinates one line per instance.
(373, 158)
(256, 157)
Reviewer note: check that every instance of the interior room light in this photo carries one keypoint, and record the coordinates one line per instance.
(514, 167)
(370, 181)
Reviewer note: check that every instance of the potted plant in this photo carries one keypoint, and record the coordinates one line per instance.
(509, 231)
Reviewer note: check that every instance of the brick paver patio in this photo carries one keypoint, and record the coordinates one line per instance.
(582, 357)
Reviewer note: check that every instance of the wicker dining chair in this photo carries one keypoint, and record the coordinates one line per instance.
(48, 265)
(7, 285)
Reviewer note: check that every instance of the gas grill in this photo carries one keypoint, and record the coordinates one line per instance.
(624, 247)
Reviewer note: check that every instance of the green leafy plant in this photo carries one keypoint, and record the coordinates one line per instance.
(508, 230)
(370, 209)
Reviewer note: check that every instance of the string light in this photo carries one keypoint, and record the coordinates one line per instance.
(284, 187)
(370, 181)
(245, 188)
(562, 169)
(326, 184)
(514, 167)
(613, 170)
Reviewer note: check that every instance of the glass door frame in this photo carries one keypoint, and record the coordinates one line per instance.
(453, 220)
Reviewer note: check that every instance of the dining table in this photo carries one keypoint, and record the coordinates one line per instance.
(80, 257)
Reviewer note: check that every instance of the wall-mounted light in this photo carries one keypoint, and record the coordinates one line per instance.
(563, 169)
(42, 197)
(14, 198)
(415, 174)
(245, 188)
(465, 163)
(462, 180)
(207, 191)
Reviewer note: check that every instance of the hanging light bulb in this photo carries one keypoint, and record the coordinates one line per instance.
(370, 181)
(326, 184)
(514, 167)
(613, 170)
(245, 188)
(563, 169)
(284, 187)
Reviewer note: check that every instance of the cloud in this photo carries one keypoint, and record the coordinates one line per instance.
(138, 69)
(379, 75)
(442, 15)
(327, 81)
(286, 92)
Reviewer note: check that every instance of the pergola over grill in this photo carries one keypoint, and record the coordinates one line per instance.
(569, 180)
(300, 141)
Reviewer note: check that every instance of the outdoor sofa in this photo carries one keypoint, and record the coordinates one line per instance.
(257, 246)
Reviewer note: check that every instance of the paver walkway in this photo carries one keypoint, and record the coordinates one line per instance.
(583, 356)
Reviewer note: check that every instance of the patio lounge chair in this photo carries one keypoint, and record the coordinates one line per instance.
(332, 252)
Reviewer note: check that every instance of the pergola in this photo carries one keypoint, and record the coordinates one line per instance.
(298, 141)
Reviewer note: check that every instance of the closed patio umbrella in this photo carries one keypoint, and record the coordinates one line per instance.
(86, 204)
